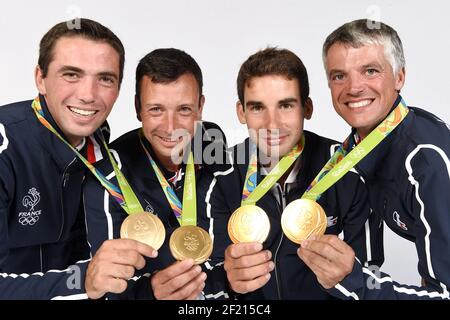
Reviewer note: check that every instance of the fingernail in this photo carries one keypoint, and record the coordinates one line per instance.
(269, 254)
(304, 244)
(257, 246)
(203, 276)
(313, 237)
(154, 254)
(268, 276)
(198, 269)
(271, 265)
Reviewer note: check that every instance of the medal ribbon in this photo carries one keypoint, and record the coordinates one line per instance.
(123, 194)
(252, 191)
(185, 213)
(344, 159)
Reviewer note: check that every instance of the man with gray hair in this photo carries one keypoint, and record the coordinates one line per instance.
(403, 154)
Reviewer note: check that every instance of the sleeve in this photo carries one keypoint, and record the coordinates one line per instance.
(104, 217)
(363, 229)
(429, 176)
(54, 284)
(216, 283)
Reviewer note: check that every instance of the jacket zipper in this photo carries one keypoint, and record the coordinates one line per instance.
(65, 177)
(278, 247)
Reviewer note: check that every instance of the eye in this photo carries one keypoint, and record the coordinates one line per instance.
(256, 108)
(155, 110)
(107, 80)
(337, 77)
(186, 110)
(371, 72)
(286, 106)
(71, 76)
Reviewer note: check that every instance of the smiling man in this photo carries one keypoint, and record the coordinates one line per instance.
(42, 228)
(169, 102)
(407, 173)
(274, 102)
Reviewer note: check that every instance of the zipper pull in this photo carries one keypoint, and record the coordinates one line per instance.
(66, 177)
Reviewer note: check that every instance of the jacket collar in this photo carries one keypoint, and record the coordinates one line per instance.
(371, 163)
(57, 149)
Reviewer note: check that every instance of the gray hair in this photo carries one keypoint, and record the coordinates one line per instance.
(362, 32)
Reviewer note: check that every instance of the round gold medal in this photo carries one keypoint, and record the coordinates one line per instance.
(248, 223)
(303, 218)
(144, 227)
(191, 242)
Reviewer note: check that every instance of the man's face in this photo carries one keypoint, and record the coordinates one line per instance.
(363, 85)
(273, 113)
(81, 85)
(168, 114)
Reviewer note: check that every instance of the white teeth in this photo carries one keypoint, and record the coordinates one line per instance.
(82, 112)
(168, 139)
(359, 104)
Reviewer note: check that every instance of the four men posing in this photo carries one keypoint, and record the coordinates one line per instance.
(49, 227)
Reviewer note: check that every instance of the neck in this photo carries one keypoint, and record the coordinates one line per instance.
(168, 164)
(74, 141)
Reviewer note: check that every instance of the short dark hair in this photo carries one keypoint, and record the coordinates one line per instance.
(88, 29)
(273, 61)
(166, 65)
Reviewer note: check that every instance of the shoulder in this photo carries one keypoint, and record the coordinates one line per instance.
(126, 142)
(427, 140)
(14, 127)
(321, 145)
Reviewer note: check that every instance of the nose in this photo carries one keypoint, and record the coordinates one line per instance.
(86, 90)
(356, 85)
(170, 122)
(273, 119)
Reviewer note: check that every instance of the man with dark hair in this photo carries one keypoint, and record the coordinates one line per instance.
(169, 103)
(407, 173)
(273, 102)
(43, 246)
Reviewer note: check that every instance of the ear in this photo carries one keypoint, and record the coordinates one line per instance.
(200, 107)
(137, 107)
(240, 112)
(308, 108)
(400, 79)
(40, 80)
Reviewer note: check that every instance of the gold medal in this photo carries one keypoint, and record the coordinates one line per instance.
(248, 223)
(144, 227)
(191, 242)
(303, 218)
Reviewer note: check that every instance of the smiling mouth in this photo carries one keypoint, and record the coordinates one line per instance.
(359, 104)
(168, 140)
(81, 112)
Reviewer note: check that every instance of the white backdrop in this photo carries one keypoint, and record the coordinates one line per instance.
(220, 35)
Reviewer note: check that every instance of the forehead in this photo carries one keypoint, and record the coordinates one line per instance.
(341, 54)
(79, 51)
(185, 86)
(271, 84)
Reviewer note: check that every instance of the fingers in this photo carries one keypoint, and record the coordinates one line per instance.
(251, 273)
(328, 257)
(247, 261)
(248, 267)
(113, 264)
(190, 290)
(126, 252)
(182, 285)
(174, 270)
(250, 285)
(242, 249)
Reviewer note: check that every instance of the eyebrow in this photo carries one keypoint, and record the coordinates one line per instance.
(287, 100)
(254, 103)
(81, 71)
(372, 65)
